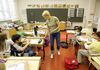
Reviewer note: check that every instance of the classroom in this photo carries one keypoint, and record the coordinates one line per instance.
(49, 35)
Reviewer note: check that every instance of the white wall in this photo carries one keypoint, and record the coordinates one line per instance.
(88, 6)
(97, 14)
(16, 10)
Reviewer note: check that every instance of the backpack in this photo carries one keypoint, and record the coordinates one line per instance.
(71, 63)
(64, 45)
(46, 41)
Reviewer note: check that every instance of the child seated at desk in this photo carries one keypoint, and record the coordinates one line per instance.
(78, 33)
(27, 49)
(94, 47)
(94, 32)
(35, 31)
(20, 31)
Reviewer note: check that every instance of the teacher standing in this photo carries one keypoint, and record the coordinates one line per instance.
(53, 27)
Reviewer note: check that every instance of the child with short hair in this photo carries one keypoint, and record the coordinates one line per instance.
(16, 39)
(78, 33)
(94, 31)
(20, 31)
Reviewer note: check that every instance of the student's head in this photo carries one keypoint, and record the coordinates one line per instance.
(79, 29)
(20, 28)
(16, 38)
(98, 35)
(75, 27)
(46, 14)
(94, 30)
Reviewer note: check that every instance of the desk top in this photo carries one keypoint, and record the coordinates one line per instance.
(41, 33)
(34, 41)
(24, 58)
(73, 31)
(84, 38)
(95, 61)
(23, 63)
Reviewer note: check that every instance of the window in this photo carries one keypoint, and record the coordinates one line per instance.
(7, 10)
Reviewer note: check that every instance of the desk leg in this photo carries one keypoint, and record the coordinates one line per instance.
(76, 46)
(43, 51)
(90, 64)
(95, 69)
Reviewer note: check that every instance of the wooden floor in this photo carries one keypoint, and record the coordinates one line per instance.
(57, 63)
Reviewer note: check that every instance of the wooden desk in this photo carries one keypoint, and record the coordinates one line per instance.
(42, 33)
(35, 42)
(85, 39)
(41, 25)
(26, 63)
(95, 61)
(70, 31)
(69, 35)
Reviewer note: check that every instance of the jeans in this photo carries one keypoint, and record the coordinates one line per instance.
(30, 51)
(57, 37)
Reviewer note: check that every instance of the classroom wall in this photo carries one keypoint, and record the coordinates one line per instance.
(97, 12)
(88, 5)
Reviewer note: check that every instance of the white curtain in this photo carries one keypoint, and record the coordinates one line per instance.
(7, 10)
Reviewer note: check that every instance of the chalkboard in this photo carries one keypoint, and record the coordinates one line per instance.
(36, 14)
(76, 15)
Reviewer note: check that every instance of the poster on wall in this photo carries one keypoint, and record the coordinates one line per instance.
(80, 12)
(71, 12)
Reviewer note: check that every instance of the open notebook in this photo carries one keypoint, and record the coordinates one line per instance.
(35, 41)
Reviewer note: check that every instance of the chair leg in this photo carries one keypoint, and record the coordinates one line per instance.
(95, 69)
(90, 64)
(43, 52)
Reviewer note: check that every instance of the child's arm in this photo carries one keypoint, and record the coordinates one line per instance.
(23, 48)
